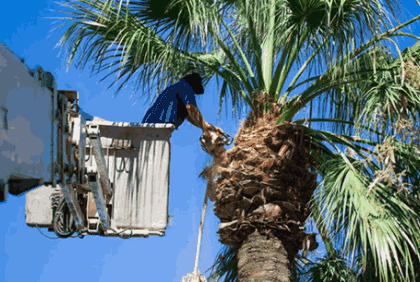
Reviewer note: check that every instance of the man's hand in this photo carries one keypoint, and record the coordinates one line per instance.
(212, 128)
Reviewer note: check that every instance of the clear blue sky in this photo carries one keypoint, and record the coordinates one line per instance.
(29, 256)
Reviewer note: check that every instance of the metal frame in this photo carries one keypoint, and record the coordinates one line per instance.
(133, 233)
(93, 132)
(101, 188)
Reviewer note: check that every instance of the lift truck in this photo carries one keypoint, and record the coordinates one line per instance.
(80, 176)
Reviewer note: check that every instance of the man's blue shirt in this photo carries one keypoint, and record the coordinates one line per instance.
(170, 105)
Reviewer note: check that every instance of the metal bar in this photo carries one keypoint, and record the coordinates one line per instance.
(100, 203)
(73, 205)
(99, 158)
(133, 232)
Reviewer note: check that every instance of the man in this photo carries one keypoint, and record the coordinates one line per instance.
(177, 103)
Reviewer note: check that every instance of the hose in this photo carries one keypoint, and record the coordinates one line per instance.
(63, 221)
(58, 204)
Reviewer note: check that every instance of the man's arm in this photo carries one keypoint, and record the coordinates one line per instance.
(195, 117)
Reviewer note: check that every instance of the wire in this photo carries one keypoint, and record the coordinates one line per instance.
(45, 234)
(80, 235)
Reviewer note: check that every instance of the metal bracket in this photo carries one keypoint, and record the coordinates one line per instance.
(93, 130)
(93, 225)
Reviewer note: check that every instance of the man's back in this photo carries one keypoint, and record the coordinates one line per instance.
(170, 105)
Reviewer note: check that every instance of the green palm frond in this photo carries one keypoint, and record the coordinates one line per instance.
(407, 160)
(328, 270)
(103, 32)
(369, 218)
(102, 36)
(231, 89)
(378, 99)
(374, 218)
(332, 25)
(225, 266)
(114, 39)
(347, 85)
(183, 23)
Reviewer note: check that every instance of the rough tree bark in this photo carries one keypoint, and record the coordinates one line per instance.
(263, 259)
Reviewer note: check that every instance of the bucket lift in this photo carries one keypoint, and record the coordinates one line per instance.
(115, 182)
(132, 164)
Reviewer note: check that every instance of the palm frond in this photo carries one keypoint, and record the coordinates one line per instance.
(311, 22)
(342, 84)
(378, 220)
(183, 23)
(114, 39)
(111, 40)
(328, 269)
(225, 266)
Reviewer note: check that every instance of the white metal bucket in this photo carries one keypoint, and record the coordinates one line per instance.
(138, 162)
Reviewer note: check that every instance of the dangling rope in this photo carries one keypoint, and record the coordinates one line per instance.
(203, 214)
(195, 276)
(211, 147)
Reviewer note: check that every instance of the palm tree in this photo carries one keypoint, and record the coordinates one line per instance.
(280, 56)
(333, 267)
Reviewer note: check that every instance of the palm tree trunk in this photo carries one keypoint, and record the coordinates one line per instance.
(265, 183)
(263, 259)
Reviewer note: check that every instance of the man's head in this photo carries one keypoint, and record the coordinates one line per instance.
(194, 80)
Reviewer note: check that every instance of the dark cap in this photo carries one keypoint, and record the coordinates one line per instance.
(195, 81)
